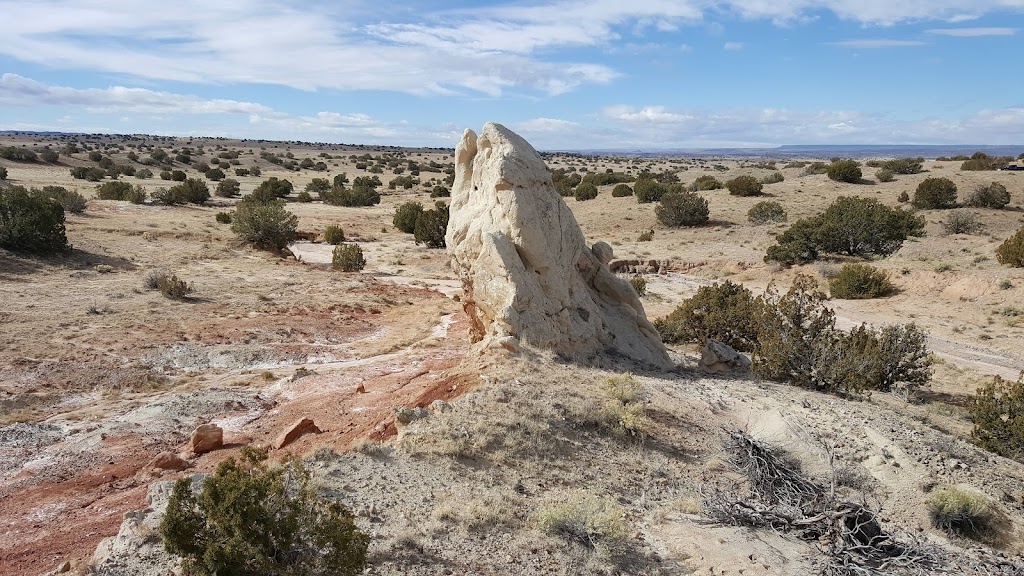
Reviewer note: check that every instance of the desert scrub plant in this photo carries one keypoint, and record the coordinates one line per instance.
(773, 178)
(646, 236)
(706, 182)
(997, 413)
(625, 406)
(192, 190)
(744, 186)
(593, 523)
(70, 200)
(265, 225)
(31, 221)
(228, 188)
(3, 173)
(682, 209)
(885, 175)
(440, 192)
(726, 312)
(621, 191)
(223, 217)
(272, 188)
(431, 226)
(859, 282)
(766, 212)
(992, 195)
(1011, 251)
(169, 285)
(121, 191)
(844, 171)
(406, 215)
(647, 191)
(935, 193)
(958, 511)
(962, 222)
(351, 197)
(903, 198)
(250, 518)
(348, 258)
(334, 235)
(585, 191)
(639, 284)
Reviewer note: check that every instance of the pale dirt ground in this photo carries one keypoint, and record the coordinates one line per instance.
(101, 374)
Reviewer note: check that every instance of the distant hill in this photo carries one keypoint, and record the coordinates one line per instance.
(825, 151)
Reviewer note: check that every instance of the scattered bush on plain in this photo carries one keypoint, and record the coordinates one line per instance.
(31, 221)
(860, 282)
(348, 258)
(935, 193)
(682, 209)
(1011, 251)
(766, 212)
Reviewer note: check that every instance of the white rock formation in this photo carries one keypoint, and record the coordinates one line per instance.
(527, 272)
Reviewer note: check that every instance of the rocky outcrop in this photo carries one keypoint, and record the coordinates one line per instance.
(527, 273)
(716, 358)
(206, 438)
(299, 428)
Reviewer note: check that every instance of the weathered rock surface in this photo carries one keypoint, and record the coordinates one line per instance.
(206, 438)
(716, 358)
(292, 433)
(526, 269)
(168, 460)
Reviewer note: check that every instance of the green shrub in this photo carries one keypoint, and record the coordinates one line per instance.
(851, 226)
(815, 168)
(273, 187)
(625, 406)
(303, 197)
(961, 512)
(165, 174)
(639, 284)
(192, 190)
(997, 412)
(647, 191)
(885, 175)
(121, 191)
(744, 186)
(607, 177)
(431, 226)
(223, 217)
(860, 281)
(1011, 251)
(706, 182)
(266, 225)
(174, 288)
(592, 523)
(962, 222)
(228, 188)
(903, 198)
(318, 186)
(348, 258)
(69, 200)
(645, 236)
(935, 193)
(356, 196)
(249, 518)
(765, 212)
(440, 192)
(3, 173)
(992, 195)
(773, 178)
(981, 161)
(585, 191)
(90, 173)
(904, 165)
(178, 175)
(682, 209)
(725, 312)
(621, 190)
(242, 172)
(334, 235)
(844, 171)
(31, 221)
(144, 174)
(406, 215)
(17, 154)
(215, 174)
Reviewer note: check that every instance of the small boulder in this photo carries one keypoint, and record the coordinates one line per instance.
(168, 460)
(292, 433)
(717, 357)
(405, 415)
(206, 438)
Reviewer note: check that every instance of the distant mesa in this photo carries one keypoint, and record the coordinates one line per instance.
(527, 273)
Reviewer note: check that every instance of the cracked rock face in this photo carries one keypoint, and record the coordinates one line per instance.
(527, 273)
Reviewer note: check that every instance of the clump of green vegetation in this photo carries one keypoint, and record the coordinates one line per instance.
(621, 190)
(639, 284)
(726, 312)
(645, 236)
(625, 406)
(228, 188)
(585, 191)
(121, 191)
(431, 226)
(773, 178)
(682, 209)
(935, 193)
(272, 188)
(766, 212)
(744, 186)
(844, 171)
(706, 182)
(851, 226)
(903, 198)
(334, 235)
(592, 523)
(192, 190)
(168, 284)
(885, 175)
(264, 224)
(406, 215)
(958, 511)
(980, 161)
(647, 191)
(440, 192)
(992, 195)
(962, 222)
(997, 412)
(348, 258)
(31, 221)
(1011, 251)
(223, 217)
(861, 281)
(70, 200)
(250, 518)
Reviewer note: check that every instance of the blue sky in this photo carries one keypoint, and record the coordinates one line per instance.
(566, 74)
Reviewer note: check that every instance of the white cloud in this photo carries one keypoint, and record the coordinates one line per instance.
(548, 125)
(17, 90)
(877, 43)
(646, 114)
(733, 46)
(973, 32)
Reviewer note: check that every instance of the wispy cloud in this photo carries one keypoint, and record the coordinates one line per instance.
(877, 43)
(973, 32)
(733, 46)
